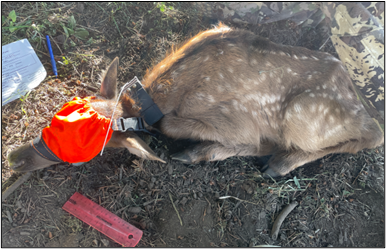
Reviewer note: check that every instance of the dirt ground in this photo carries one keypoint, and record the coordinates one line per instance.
(341, 201)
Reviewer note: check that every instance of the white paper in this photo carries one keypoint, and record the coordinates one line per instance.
(21, 70)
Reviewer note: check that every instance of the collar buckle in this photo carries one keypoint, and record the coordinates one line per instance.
(131, 124)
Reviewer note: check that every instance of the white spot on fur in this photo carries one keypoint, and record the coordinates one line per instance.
(297, 108)
(262, 101)
(159, 87)
(304, 57)
(231, 45)
(230, 69)
(239, 60)
(307, 91)
(312, 95)
(318, 88)
(207, 78)
(349, 96)
(206, 58)
(334, 88)
(254, 114)
(282, 53)
(235, 104)
(273, 52)
(200, 96)
(313, 107)
(289, 70)
(287, 115)
(268, 64)
(333, 131)
(295, 57)
(339, 96)
(224, 109)
(325, 111)
(309, 77)
(324, 86)
(210, 98)
(334, 59)
(243, 108)
(265, 99)
(313, 57)
(273, 98)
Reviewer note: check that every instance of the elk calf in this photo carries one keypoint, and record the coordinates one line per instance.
(242, 95)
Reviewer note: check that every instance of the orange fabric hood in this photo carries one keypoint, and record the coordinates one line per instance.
(77, 131)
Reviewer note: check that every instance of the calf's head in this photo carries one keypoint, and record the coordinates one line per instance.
(28, 158)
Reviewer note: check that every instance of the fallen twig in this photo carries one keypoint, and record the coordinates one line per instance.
(228, 196)
(280, 218)
(175, 208)
(15, 185)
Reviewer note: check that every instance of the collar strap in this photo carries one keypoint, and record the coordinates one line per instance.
(42, 149)
(149, 110)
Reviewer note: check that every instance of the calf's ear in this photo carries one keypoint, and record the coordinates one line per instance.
(134, 144)
(109, 80)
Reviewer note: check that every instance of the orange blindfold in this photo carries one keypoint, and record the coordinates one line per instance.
(77, 131)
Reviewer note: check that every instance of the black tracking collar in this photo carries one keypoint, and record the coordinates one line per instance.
(42, 149)
(149, 110)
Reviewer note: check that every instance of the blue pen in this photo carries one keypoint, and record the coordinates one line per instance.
(53, 63)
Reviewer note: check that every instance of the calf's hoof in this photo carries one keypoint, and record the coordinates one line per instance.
(268, 172)
(182, 157)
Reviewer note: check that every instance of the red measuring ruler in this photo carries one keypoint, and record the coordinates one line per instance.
(102, 220)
